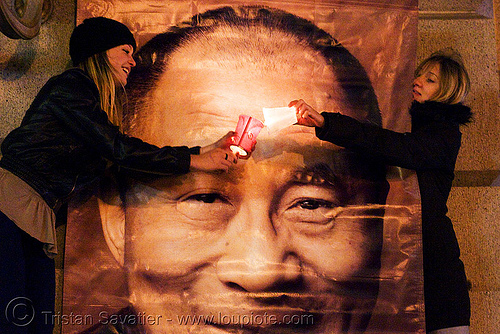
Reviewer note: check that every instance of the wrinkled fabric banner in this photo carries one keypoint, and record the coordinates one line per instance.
(301, 237)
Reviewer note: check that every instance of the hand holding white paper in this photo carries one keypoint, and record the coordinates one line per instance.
(277, 119)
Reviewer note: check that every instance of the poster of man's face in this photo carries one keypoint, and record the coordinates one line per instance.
(301, 237)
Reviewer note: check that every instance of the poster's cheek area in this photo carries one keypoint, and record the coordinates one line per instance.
(248, 264)
(303, 256)
(301, 237)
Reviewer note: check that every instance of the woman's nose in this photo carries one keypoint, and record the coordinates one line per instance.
(417, 82)
(256, 259)
(132, 61)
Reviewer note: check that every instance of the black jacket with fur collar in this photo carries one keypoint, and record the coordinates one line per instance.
(431, 149)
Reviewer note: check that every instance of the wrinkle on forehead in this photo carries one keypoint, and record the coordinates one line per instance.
(257, 47)
(213, 78)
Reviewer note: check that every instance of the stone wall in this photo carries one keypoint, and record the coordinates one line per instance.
(25, 65)
(469, 27)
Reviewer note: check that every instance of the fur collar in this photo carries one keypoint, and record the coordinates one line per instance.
(423, 113)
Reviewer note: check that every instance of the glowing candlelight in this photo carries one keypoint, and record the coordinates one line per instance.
(247, 130)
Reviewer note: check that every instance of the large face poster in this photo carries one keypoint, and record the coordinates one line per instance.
(302, 237)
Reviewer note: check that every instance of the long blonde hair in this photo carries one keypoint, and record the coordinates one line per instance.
(111, 97)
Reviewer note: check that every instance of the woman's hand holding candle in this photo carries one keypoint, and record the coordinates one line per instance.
(216, 156)
(223, 143)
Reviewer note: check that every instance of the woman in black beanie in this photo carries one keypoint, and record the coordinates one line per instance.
(431, 148)
(66, 140)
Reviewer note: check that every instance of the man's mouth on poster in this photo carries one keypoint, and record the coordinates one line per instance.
(310, 304)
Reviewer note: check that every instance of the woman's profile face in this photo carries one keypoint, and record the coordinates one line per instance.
(121, 60)
(426, 84)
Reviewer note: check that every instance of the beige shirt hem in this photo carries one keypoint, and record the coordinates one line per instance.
(27, 209)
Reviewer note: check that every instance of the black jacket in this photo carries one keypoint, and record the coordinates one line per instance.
(430, 149)
(65, 142)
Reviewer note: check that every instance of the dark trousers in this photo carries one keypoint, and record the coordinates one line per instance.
(446, 295)
(27, 282)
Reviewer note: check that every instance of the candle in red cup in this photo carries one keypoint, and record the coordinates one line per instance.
(247, 130)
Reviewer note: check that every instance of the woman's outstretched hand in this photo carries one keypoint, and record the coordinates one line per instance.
(215, 159)
(216, 156)
(306, 115)
(223, 143)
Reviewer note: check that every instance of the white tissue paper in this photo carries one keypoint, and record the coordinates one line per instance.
(276, 119)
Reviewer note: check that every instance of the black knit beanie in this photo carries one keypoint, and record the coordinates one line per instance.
(96, 35)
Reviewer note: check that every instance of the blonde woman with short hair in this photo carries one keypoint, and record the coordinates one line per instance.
(440, 86)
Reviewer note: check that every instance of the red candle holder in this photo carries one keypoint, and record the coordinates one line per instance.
(247, 130)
